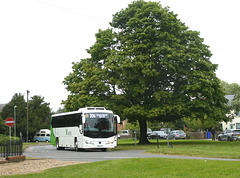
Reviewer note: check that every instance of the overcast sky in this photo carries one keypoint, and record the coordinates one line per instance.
(39, 39)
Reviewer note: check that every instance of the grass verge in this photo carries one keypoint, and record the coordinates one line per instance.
(159, 167)
(196, 148)
(145, 167)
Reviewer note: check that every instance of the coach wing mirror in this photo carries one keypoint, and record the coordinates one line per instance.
(83, 119)
(117, 118)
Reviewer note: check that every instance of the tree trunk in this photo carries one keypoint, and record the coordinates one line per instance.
(143, 132)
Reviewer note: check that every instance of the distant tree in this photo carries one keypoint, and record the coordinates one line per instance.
(60, 110)
(200, 125)
(3, 127)
(132, 127)
(233, 89)
(150, 67)
(39, 114)
(230, 89)
(8, 111)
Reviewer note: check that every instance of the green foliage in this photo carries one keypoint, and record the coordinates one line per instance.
(3, 126)
(3, 138)
(151, 67)
(198, 125)
(8, 111)
(156, 125)
(60, 110)
(233, 89)
(235, 105)
(39, 114)
(132, 127)
(230, 89)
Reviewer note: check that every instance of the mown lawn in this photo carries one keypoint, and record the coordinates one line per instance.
(160, 167)
(145, 167)
(197, 148)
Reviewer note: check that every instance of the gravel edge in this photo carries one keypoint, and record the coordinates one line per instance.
(33, 166)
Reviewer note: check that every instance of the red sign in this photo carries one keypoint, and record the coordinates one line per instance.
(10, 122)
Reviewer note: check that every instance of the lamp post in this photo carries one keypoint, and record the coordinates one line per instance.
(15, 122)
(27, 115)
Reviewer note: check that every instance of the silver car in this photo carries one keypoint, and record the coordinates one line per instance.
(177, 134)
(159, 134)
(229, 135)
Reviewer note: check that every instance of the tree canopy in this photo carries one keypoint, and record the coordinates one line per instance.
(230, 89)
(148, 66)
(39, 114)
(233, 89)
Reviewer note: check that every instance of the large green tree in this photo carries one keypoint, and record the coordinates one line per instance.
(39, 114)
(148, 66)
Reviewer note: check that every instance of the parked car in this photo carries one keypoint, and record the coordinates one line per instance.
(160, 134)
(177, 134)
(229, 135)
(125, 132)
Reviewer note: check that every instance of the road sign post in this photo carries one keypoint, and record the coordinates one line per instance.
(10, 123)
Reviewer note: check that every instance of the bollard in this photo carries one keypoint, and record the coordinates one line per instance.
(168, 137)
(157, 140)
(135, 137)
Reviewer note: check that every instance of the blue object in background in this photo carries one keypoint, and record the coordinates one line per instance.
(208, 135)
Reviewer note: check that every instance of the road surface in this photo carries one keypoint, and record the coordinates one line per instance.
(48, 151)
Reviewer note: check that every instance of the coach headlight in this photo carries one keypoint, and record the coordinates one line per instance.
(111, 141)
(88, 142)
